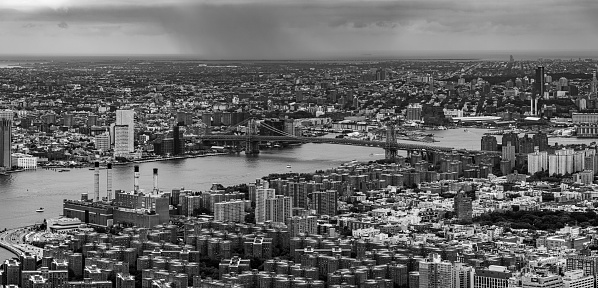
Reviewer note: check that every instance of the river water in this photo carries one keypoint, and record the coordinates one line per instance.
(24, 192)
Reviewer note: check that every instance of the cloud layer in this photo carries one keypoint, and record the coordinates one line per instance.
(294, 29)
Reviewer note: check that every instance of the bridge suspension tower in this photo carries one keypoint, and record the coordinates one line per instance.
(390, 146)
(252, 144)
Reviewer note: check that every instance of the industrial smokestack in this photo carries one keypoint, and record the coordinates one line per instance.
(109, 181)
(136, 180)
(96, 182)
(156, 180)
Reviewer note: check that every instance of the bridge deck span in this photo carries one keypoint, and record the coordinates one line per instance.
(381, 144)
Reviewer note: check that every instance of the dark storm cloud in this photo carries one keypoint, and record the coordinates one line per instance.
(30, 25)
(359, 24)
(308, 28)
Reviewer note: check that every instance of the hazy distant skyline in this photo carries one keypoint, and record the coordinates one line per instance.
(294, 29)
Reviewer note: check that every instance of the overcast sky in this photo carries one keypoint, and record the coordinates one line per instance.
(293, 29)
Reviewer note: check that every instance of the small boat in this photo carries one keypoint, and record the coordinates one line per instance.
(64, 170)
(41, 209)
(289, 166)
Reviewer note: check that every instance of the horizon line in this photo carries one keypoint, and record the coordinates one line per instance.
(328, 56)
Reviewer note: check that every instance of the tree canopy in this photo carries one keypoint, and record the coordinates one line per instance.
(538, 220)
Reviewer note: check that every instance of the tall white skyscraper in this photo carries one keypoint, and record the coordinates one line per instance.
(6, 117)
(561, 162)
(261, 195)
(537, 161)
(230, 211)
(5, 144)
(278, 208)
(272, 207)
(124, 132)
(125, 117)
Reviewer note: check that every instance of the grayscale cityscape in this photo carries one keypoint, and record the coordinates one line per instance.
(298, 144)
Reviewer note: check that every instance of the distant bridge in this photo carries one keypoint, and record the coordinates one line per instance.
(249, 140)
(298, 139)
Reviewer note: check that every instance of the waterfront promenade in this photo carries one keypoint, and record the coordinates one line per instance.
(14, 240)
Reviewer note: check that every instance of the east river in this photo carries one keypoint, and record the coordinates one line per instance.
(23, 192)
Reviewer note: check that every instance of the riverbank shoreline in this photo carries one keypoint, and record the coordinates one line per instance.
(147, 160)
(174, 158)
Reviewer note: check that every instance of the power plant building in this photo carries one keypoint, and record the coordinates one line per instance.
(91, 213)
(140, 209)
(134, 208)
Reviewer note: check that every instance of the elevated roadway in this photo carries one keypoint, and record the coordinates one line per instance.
(14, 241)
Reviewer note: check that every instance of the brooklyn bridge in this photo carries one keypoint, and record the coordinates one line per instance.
(249, 139)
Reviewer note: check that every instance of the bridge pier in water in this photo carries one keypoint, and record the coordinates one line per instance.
(252, 148)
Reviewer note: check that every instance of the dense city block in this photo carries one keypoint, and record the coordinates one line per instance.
(516, 210)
